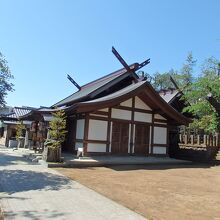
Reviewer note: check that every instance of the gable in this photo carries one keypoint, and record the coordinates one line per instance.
(140, 104)
(127, 103)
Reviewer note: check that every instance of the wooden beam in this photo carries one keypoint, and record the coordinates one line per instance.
(121, 60)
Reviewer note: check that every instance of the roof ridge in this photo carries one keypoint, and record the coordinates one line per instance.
(117, 72)
(26, 108)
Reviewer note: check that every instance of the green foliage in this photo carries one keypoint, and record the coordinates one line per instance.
(19, 130)
(57, 130)
(5, 76)
(182, 77)
(197, 93)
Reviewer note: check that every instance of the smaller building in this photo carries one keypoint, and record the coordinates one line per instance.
(9, 120)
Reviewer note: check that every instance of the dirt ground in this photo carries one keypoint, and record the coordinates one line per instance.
(157, 192)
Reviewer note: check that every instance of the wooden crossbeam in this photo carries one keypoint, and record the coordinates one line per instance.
(73, 82)
(121, 60)
(140, 65)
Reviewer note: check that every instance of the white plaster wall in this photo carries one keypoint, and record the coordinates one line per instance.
(157, 116)
(78, 145)
(104, 116)
(161, 123)
(140, 104)
(121, 114)
(80, 128)
(127, 103)
(159, 150)
(93, 147)
(97, 130)
(160, 135)
(143, 117)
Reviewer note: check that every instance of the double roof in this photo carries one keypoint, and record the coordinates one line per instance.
(90, 90)
(99, 94)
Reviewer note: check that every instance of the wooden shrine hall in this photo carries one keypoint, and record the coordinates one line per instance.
(119, 114)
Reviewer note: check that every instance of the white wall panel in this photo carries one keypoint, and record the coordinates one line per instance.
(160, 135)
(80, 129)
(140, 104)
(97, 130)
(143, 117)
(121, 114)
(104, 110)
(127, 103)
(159, 150)
(92, 147)
(157, 116)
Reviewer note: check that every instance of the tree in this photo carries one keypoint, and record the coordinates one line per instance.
(19, 130)
(19, 133)
(182, 77)
(57, 135)
(204, 98)
(5, 76)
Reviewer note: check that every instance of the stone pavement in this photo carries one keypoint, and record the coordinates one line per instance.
(31, 191)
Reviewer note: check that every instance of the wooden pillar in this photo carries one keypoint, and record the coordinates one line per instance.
(132, 127)
(192, 139)
(168, 140)
(152, 133)
(108, 129)
(185, 139)
(86, 132)
(198, 139)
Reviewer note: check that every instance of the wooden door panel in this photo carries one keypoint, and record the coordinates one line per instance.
(142, 133)
(120, 136)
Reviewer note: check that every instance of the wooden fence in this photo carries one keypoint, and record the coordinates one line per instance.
(199, 141)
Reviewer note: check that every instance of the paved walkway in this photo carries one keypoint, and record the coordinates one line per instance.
(31, 191)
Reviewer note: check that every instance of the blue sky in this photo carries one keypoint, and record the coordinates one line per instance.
(43, 40)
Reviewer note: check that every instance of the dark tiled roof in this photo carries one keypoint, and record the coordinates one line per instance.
(91, 87)
(17, 112)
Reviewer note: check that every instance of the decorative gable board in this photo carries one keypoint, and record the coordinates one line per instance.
(140, 104)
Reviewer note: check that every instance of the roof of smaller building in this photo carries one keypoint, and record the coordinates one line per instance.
(169, 95)
(17, 112)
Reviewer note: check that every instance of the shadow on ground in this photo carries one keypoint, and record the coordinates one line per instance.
(35, 215)
(7, 159)
(13, 181)
(160, 166)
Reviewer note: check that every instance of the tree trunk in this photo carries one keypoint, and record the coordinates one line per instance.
(52, 154)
